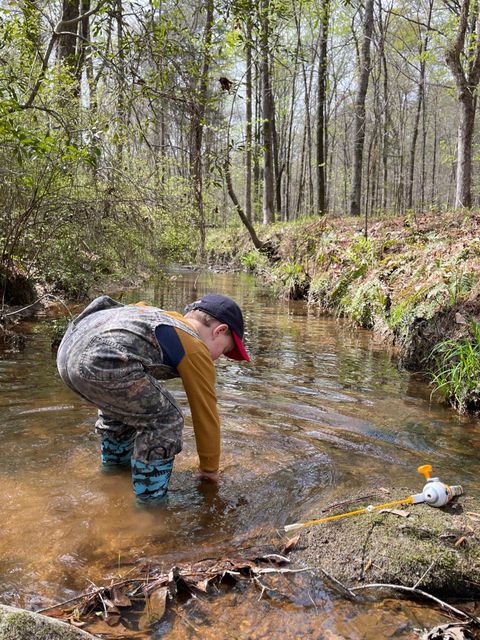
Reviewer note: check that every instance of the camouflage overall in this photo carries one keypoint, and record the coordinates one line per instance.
(110, 356)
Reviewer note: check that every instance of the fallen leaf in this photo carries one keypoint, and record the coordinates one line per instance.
(120, 599)
(396, 512)
(54, 613)
(291, 544)
(202, 585)
(156, 604)
(112, 619)
(450, 631)
(459, 319)
(368, 565)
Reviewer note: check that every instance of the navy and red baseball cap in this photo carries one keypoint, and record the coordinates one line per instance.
(227, 311)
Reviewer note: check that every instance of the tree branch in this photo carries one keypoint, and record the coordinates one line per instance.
(399, 587)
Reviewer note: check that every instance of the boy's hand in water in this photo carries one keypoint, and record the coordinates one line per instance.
(209, 476)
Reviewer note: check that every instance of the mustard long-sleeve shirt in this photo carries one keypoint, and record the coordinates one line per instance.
(191, 358)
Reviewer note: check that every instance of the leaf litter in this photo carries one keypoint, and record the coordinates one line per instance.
(152, 591)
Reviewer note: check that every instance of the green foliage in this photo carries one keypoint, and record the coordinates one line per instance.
(418, 302)
(250, 260)
(292, 280)
(361, 251)
(58, 328)
(366, 301)
(341, 286)
(456, 370)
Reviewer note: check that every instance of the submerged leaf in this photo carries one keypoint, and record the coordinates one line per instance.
(157, 604)
(120, 599)
(54, 613)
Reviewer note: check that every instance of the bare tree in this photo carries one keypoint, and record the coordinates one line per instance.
(198, 123)
(267, 115)
(463, 59)
(248, 114)
(423, 46)
(321, 108)
(359, 124)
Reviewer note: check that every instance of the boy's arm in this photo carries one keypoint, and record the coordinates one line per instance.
(197, 372)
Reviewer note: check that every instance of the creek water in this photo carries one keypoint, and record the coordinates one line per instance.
(321, 412)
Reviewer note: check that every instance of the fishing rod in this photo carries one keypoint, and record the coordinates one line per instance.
(434, 493)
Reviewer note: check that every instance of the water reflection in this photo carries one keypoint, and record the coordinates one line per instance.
(320, 411)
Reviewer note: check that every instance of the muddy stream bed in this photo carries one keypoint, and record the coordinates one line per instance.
(321, 412)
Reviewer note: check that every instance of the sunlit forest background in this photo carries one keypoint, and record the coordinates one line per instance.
(129, 129)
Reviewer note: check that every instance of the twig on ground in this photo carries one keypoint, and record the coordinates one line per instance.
(424, 575)
(46, 295)
(312, 601)
(343, 588)
(419, 592)
(262, 586)
(89, 594)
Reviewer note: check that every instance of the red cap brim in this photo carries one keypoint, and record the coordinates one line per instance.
(238, 352)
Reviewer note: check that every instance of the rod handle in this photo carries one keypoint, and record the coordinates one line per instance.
(425, 469)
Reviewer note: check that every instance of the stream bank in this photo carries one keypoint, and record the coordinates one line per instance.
(413, 281)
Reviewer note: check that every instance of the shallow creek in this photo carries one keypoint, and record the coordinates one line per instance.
(320, 413)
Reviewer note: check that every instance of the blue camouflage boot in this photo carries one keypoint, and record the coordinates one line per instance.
(116, 452)
(150, 480)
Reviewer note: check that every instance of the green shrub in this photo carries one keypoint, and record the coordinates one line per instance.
(57, 330)
(368, 300)
(456, 370)
(294, 280)
(250, 260)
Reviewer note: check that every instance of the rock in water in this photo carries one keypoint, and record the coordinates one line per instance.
(19, 624)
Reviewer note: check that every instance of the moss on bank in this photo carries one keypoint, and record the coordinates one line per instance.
(414, 282)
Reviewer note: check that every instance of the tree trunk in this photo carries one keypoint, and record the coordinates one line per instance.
(277, 170)
(198, 119)
(418, 111)
(359, 124)
(266, 248)
(463, 58)
(321, 109)
(257, 134)
(67, 41)
(433, 188)
(120, 81)
(463, 194)
(248, 115)
(385, 119)
(267, 117)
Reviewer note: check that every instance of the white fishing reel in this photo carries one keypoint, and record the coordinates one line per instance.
(435, 493)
